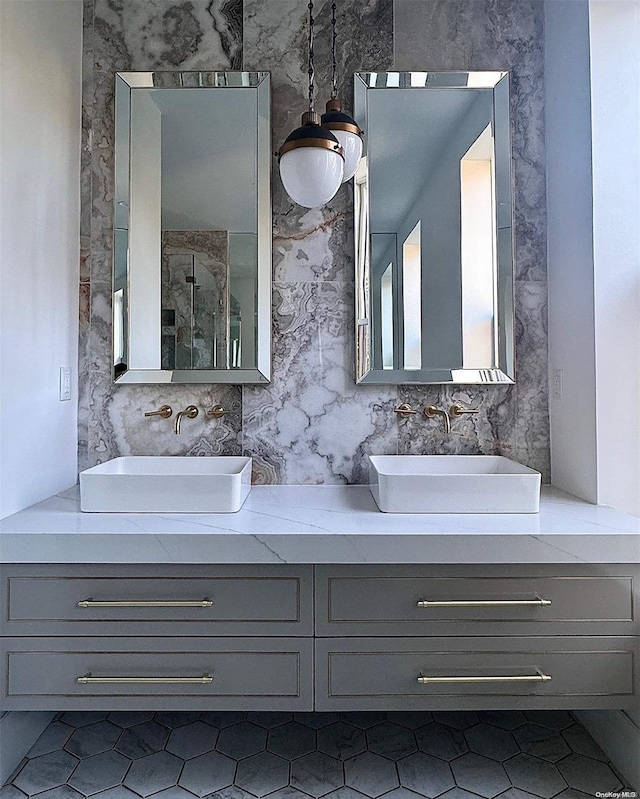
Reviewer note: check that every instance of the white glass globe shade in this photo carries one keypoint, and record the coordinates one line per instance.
(311, 176)
(351, 143)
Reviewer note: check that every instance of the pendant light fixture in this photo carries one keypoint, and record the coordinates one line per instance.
(311, 159)
(342, 125)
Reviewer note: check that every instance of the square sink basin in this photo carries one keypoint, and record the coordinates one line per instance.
(453, 484)
(148, 484)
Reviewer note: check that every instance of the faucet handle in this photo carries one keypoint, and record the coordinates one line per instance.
(459, 410)
(405, 410)
(217, 412)
(165, 411)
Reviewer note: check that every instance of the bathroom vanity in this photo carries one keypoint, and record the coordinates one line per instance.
(309, 598)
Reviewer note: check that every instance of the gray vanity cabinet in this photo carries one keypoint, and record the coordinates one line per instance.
(140, 636)
(303, 637)
(474, 637)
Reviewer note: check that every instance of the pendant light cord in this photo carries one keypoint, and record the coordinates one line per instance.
(312, 74)
(334, 65)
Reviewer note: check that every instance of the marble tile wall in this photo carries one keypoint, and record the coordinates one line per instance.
(312, 424)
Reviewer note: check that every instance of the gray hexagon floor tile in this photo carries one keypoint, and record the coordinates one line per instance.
(459, 719)
(424, 774)
(11, 792)
(269, 720)
(207, 773)
(391, 740)
(62, 792)
(288, 793)
(363, 719)
(446, 743)
(143, 739)
(291, 740)
(99, 772)
(262, 773)
(242, 740)
(192, 740)
(493, 742)
(231, 792)
(535, 776)
(119, 792)
(370, 774)
(505, 719)
(93, 739)
(176, 792)
(543, 742)
(555, 719)
(410, 718)
(154, 773)
(480, 775)
(581, 742)
(80, 718)
(45, 771)
(341, 740)
(222, 719)
(316, 774)
(543, 754)
(176, 718)
(588, 775)
(129, 718)
(54, 737)
(316, 720)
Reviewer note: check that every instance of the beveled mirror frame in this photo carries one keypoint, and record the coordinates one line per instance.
(126, 83)
(503, 371)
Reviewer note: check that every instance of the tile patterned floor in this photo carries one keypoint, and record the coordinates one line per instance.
(506, 754)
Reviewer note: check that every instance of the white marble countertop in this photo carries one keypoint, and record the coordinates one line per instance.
(320, 524)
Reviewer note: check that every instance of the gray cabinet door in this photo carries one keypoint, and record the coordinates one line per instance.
(506, 600)
(442, 673)
(150, 600)
(157, 673)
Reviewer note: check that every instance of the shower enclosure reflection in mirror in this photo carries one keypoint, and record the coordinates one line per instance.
(192, 239)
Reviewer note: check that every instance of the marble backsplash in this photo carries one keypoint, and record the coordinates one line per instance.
(312, 424)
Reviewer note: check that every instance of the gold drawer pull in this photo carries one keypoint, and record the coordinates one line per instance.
(539, 677)
(145, 603)
(204, 680)
(483, 603)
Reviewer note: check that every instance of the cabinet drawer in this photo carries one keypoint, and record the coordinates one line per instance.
(231, 673)
(237, 600)
(365, 673)
(445, 601)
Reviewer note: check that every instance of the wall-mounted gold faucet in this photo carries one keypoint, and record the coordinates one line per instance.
(431, 411)
(190, 412)
(164, 411)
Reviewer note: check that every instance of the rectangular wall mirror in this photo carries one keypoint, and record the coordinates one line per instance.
(433, 228)
(192, 248)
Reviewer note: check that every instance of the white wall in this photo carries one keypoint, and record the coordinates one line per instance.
(40, 124)
(615, 102)
(570, 249)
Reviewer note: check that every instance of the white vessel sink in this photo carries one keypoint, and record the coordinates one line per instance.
(146, 484)
(453, 484)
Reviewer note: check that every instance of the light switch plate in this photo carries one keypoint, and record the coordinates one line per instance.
(65, 383)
